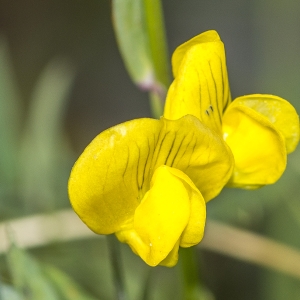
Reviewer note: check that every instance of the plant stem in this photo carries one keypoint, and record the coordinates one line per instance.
(116, 262)
(156, 105)
(191, 287)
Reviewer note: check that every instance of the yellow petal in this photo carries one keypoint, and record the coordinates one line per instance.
(162, 217)
(201, 85)
(279, 112)
(178, 55)
(172, 258)
(188, 145)
(193, 232)
(258, 147)
(113, 174)
(106, 181)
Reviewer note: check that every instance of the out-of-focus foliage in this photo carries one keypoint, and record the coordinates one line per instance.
(35, 151)
(263, 45)
(9, 293)
(9, 130)
(44, 152)
(36, 281)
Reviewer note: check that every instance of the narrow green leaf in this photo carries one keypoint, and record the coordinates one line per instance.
(43, 140)
(64, 285)
(7, 292)
(132, 37)
(28, 277)
(140, 33)
(37, 281)
(157, 40)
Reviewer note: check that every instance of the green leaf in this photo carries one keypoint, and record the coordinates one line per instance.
(65, 286)
(38, 281)
(157, 40)
(7, 292)
(140, 34)
(42, 149)
(132, 37)
(27, 276)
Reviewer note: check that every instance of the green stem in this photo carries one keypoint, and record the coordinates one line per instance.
(191, 282)
(159, 55)
(116, 262)
(156, 105)
(146, 291)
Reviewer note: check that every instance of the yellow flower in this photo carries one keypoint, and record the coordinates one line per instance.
(259, 129)
(148, 181)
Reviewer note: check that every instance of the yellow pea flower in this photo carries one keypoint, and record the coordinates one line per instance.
(260, 129)
(148, 181)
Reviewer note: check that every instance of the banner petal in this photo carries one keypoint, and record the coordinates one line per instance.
(201, 86)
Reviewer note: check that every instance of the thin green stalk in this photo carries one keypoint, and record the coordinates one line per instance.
(191, 281)
(146, 291)
(116, 262)
(156, 105)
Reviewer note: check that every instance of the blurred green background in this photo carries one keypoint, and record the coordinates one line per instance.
(62, 81)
